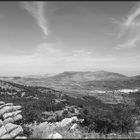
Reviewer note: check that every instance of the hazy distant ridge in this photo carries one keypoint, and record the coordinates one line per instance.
(98, 80)
(88, 76)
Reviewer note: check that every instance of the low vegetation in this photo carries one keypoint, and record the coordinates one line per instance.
(100, 118)
(119, 119)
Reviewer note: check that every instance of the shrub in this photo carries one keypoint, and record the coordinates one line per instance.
(65, 113)
(31, 114)
(118, 119)
(27, 131)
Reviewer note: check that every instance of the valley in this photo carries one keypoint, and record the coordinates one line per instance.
(54, 98)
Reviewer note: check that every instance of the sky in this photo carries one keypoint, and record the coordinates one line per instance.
(41, 37)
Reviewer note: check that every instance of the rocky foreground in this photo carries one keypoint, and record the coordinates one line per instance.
(9, 115)
(66, 128)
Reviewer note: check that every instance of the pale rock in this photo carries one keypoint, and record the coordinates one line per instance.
(13, 119)
(6, 136)
(11, 114)
(50, 136)
(17, 117)
(81, 120)
(7, 109)
(74, 126)
(67, 121)
(1, 102)
(2, 131)
(8, 120)
(55, 136)
(9, 127)
(16, 132)
(8, 104)
(19, 137)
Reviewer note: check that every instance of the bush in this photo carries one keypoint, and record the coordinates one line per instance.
(118, 119)
(65, 113)
(31, 113)
(27, 131)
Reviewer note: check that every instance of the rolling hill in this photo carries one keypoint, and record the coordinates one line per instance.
(135, 77)
(73, 81)
(87, 76)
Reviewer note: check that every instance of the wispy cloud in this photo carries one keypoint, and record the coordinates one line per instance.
(130, 21)
(36, 9)
(129, 33)
(129, 44)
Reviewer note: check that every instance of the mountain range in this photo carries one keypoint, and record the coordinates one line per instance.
(87, 76)
(77, 80)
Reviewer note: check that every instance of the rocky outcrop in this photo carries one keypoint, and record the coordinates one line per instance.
(55, 136)
(57, 129)
(74, 126)
(9, 114)
(67, 121)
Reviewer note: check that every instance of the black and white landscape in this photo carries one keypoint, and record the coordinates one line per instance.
(69, 69)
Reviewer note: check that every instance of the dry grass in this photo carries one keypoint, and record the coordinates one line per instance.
(43, 130)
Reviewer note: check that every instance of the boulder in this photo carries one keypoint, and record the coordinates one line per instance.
(22, 137)
(12, 119)
(16, 132)
(1, 102)
(67, 121)
(6, 109)
(74, 126)
(55, 136)
(9, 114)
(8, 104)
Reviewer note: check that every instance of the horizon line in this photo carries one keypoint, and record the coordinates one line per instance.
(55, 73)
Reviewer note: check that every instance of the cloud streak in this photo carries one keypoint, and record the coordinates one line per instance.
(130, 44)
(36, 10)
(129, 28)
(130, 21)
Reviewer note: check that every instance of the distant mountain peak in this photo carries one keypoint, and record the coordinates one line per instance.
(87, 76)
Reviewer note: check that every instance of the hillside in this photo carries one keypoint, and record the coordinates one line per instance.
(87, 76)
(129, 83)
(69, 80)
(47, 108)
(41, 99)
(81, 82)
(135, 77)
(10, 90)
(72, 76)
